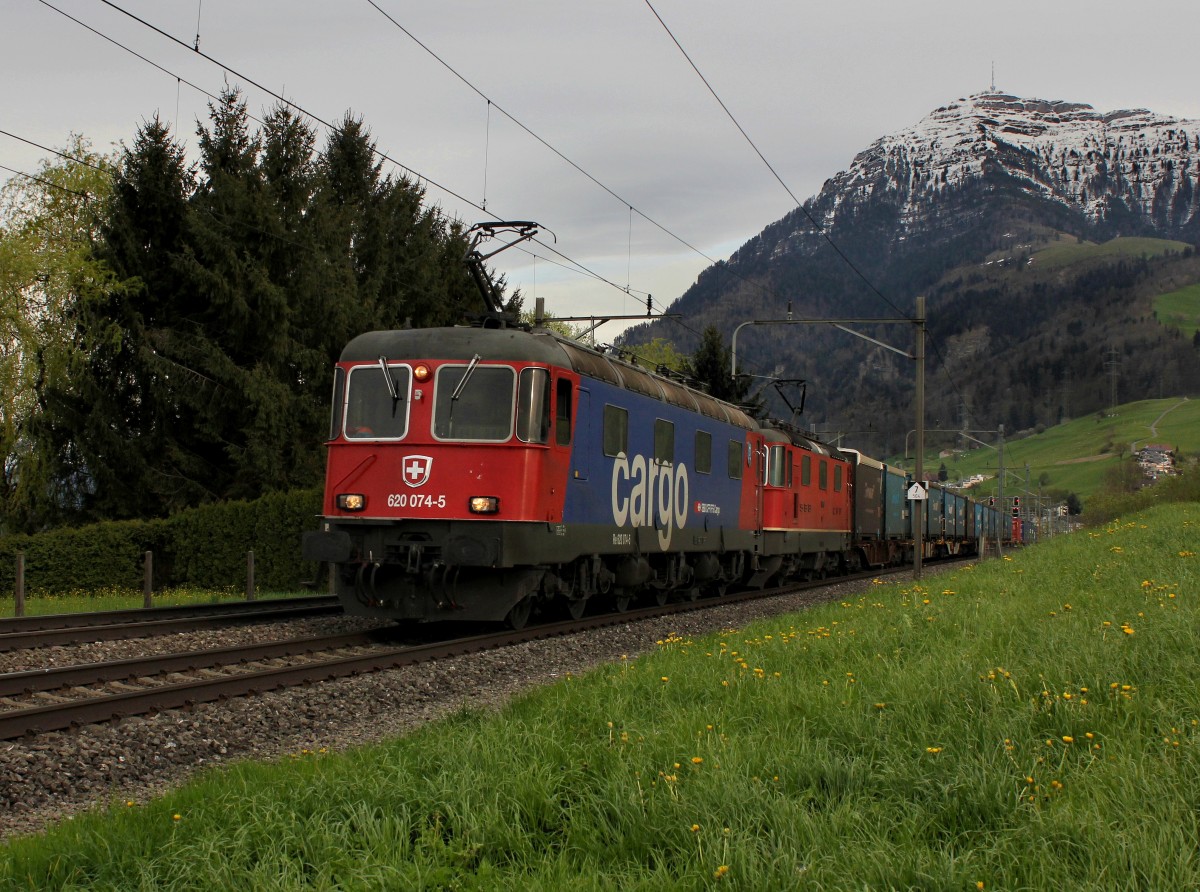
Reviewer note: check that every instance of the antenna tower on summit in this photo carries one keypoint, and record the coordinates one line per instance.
(993, 77)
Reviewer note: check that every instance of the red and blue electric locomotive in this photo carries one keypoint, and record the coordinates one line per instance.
(482, 472)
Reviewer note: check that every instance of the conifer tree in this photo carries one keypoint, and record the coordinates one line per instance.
(111, 416)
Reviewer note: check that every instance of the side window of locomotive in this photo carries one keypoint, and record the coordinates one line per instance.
(735, 460)
(476, 406)
(703, 452)
(806, 470)
(339, 402)
(823, 475)
(616, 430)
(776, 461)
(664, 441)
(562, 415)
(837, 478)
(533, 406)
(375, 409)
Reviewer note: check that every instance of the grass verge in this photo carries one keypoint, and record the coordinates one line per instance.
(1029, 723)
(46, 603)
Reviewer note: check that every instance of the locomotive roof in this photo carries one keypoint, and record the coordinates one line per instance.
(539, 346)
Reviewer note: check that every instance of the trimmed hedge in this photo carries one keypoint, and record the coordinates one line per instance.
(201, 548)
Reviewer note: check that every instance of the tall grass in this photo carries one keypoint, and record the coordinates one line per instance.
(1031, 723)
(1104, 506)
(41, 603)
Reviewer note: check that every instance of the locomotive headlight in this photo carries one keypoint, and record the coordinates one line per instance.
(351, 501)
(484, 504)
(421, 372)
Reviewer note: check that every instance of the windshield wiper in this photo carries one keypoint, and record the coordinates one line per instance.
(462, 385)
(391, 383)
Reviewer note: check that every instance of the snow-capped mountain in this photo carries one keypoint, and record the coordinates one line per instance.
(1064, 151)
(1118, 173)
(957, 208)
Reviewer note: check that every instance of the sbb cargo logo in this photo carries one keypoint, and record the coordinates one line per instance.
(648, 493)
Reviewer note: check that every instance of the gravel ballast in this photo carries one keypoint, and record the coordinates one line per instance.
(55, 776)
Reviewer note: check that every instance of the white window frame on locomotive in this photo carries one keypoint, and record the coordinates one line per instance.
(406, 398)
(512, 405)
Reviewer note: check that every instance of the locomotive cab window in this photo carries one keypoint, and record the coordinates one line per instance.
(779, 465)
(377, 401)
(533, 406)
(562, 414)
(823, 475)
(837, 478)
(473, 403)
(735, 460)
(339, 395)
(806, 470)
(664, 441)
(703, 452)
(616, 430)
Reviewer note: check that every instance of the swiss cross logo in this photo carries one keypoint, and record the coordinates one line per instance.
(416, 469)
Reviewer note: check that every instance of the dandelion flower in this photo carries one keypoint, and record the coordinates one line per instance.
(176, 817)
(720, 871)
(695, 828)
(696, 760)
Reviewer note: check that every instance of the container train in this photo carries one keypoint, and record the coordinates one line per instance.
(483, 473)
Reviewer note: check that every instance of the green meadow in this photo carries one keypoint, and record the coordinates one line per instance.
(1068, 252)
(40, 603)
(1076, 456)
(1030, 722)
(1180, 309)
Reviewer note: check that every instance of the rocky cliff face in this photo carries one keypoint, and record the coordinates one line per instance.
(1115, 173)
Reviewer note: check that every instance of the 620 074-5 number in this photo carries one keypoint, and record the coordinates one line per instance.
(415, 500)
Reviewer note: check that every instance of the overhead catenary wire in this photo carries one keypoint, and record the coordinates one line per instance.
(573, 264)
(412, 173)
(799, 204)
(50, 183)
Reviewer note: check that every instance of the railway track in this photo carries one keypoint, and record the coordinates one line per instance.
(20, 633)
(44, 700)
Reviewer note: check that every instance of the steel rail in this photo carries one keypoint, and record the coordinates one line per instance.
(59, 716)
(150, 614)
(32, 681)
(80, 634)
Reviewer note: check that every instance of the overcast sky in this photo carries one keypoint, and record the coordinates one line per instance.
(604, 85)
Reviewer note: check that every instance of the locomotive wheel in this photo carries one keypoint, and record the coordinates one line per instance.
(575, 607)
(519, 615)
(660, 596)
(623, 600)
(693, 593)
